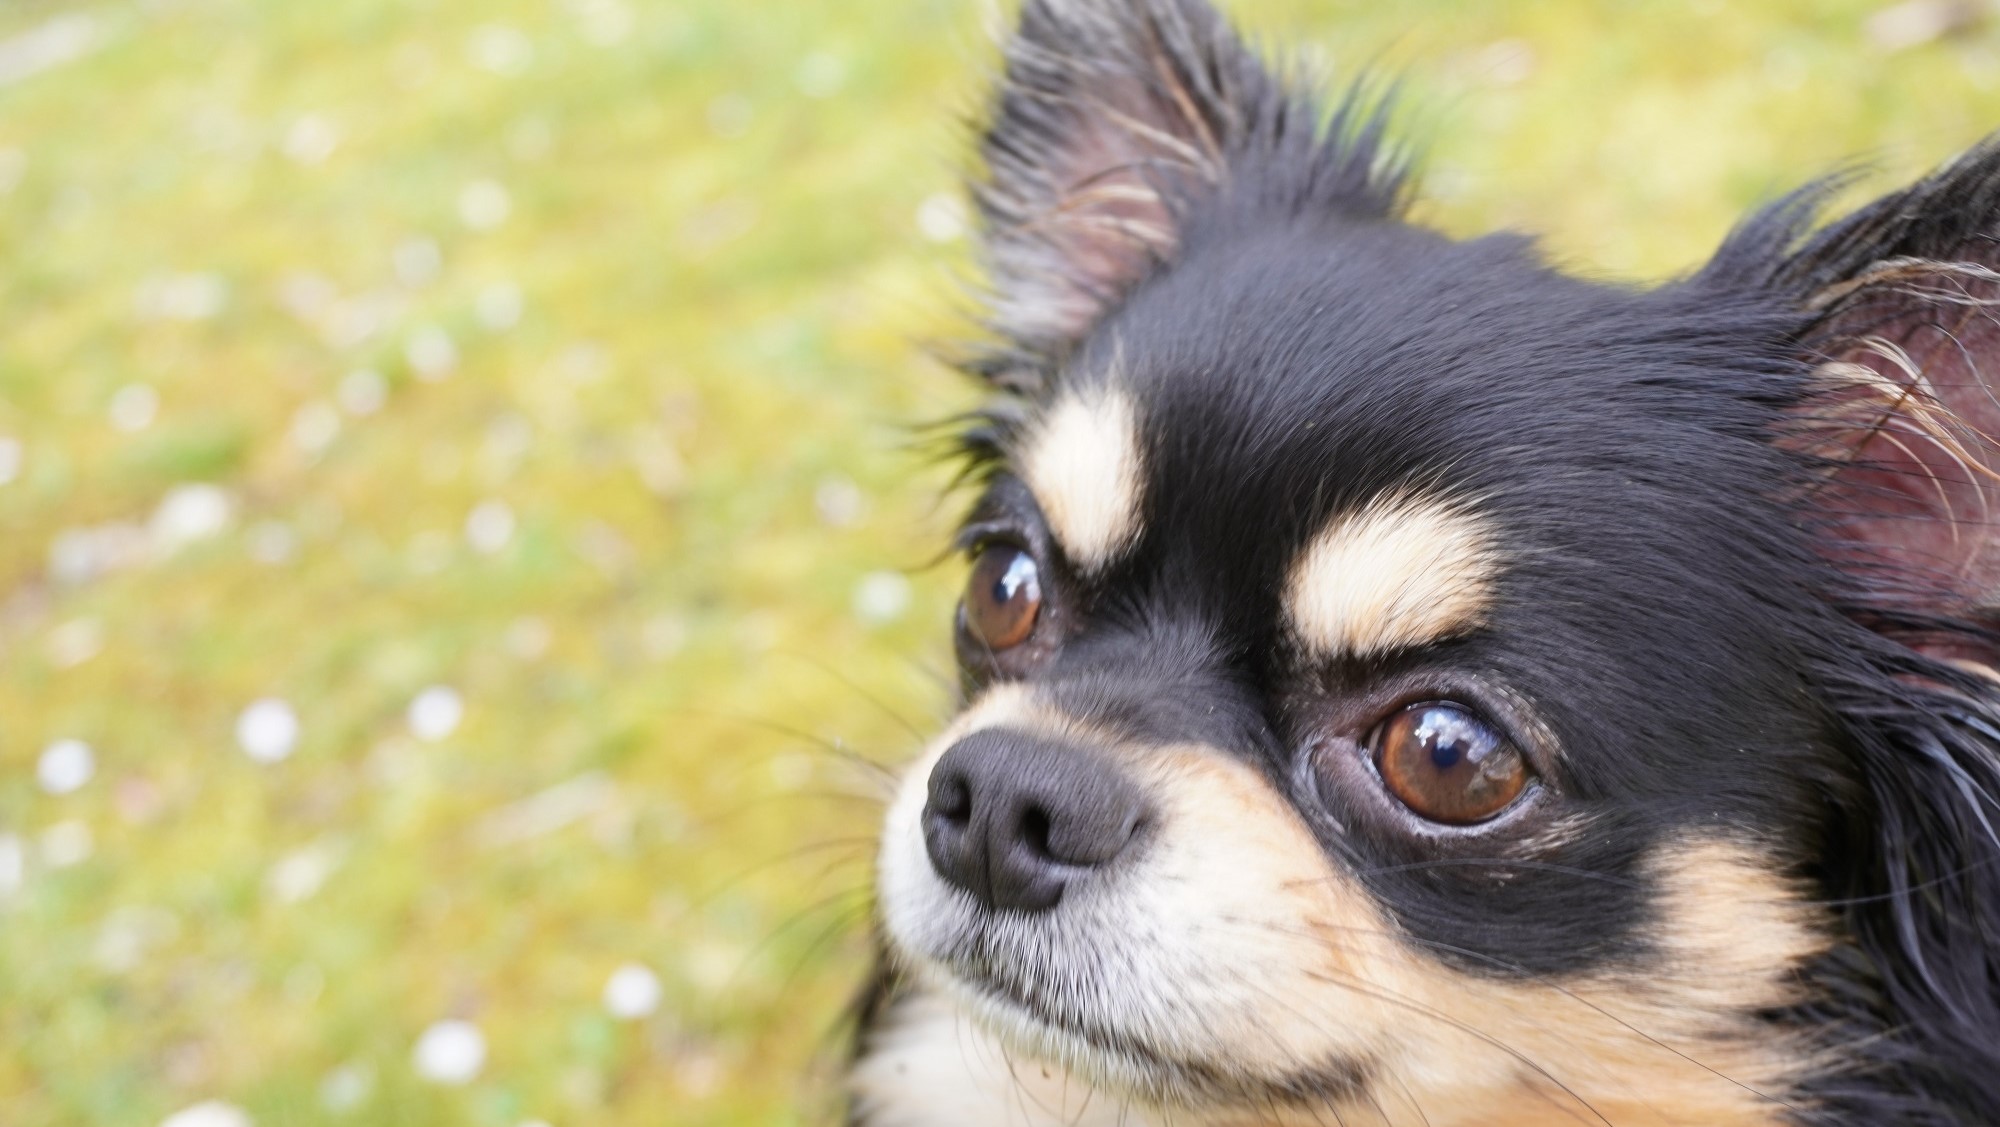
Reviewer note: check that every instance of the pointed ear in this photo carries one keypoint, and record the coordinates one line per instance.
(1113, 119)
(1903, 416)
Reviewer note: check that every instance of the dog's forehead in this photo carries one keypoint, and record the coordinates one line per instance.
(1397, 562)
(1284, 426)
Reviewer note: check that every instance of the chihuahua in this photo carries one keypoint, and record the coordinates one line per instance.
(1405, 684)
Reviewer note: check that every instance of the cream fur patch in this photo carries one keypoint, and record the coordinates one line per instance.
(1401, 572)
(1082, 464)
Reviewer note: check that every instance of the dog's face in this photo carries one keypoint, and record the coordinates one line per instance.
(1405, 682)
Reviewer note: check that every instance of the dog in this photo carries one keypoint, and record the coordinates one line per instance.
(1405, 684)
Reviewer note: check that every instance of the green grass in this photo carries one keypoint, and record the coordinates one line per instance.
(697, 426)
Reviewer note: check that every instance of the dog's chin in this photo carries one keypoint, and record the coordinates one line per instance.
(1086, 1046)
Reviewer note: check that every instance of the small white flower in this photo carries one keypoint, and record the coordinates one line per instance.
(209, 1113)
(362, 391)
(820, 75)
(134, 406)
(484, 205)
(65, 766)
(75, 642)
(418, 261)
(300, 874)
(489, 526)
(941, 218)
(500, 49)
(314, 427)
(273, 542)
(450, 1052)
(189, 513)
(881, 597)
(182, 297)
(839, 501)
(67, 843)
(311, 139)
(347, 1087)
(498, 306)
(432, 353)
(632, 992)
(268, 730)
(436, 712)
(529, 638)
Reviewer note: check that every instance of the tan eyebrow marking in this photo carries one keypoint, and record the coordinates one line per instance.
(1082, 463)
(1403, 571)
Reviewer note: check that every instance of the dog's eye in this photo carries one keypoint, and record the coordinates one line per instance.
(1448, 765)
(1004, 597)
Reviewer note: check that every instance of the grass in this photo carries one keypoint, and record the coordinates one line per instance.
(640, 287)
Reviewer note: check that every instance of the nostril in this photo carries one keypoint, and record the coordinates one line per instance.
(951, 799)
(1034, 832)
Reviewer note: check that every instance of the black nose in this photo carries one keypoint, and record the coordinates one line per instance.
(1013, 819)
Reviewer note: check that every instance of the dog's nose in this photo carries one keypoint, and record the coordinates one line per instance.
(1013, 819)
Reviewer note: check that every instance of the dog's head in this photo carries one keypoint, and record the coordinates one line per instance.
(1406, 681)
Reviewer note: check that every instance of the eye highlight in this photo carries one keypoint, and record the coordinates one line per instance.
(1004, 597)
(1448, 765)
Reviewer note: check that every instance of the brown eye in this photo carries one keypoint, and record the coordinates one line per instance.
(1448, 765)
(1004, 597)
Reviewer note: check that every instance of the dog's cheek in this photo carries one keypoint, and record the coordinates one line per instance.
(1274, 957)
(1677, 1038)
(1265, 960)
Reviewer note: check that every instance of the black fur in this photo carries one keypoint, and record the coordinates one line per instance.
(1719, 599)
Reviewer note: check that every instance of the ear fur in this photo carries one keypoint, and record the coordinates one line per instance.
(1115, 121)
(1895, 433)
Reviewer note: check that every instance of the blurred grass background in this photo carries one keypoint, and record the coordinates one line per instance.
(457, 516)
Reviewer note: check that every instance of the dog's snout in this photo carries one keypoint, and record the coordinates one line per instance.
(1014, 819)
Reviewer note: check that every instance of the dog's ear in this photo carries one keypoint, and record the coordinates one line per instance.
(1115, 118)
(1898, 431)
(1902, 417)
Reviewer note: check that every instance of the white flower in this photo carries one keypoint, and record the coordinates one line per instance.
(418, 261)
(489, 526)
(189, 513)
(498, 306)
(363, 391)
(65, 766)
(436, 712)
(484, 205)
(314, 427)
(304, 871)
(632, 992)
(209, 1113)
(432, 353)
(311, 139)
(941, 218)
(268, 730)
(450, 1052)
(881, 597)
(67, 843)
(134, 407)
